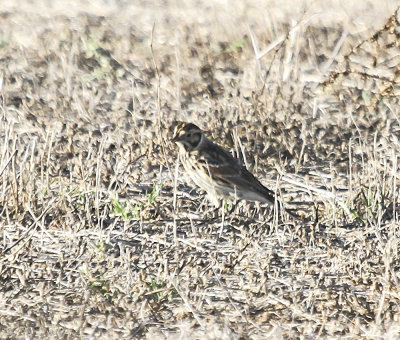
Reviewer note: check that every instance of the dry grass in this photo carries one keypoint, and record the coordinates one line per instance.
(97, 242)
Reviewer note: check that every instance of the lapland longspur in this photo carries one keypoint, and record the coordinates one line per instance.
(215, 170)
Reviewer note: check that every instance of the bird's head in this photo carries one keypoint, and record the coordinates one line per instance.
(187, 135)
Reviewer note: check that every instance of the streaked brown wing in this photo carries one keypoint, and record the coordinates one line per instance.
(222, 166)
(219, 161)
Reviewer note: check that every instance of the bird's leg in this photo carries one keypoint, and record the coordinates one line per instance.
(201, 205)
(217, 205)
(223, 219)
(234, 206)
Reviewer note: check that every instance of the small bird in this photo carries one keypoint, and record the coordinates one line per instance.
(215, 170)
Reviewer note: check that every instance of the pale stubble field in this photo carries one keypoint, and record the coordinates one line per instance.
(100, 235)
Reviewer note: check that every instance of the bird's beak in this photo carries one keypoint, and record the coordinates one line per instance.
(175, 139)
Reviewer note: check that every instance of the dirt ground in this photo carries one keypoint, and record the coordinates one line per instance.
(101, 235)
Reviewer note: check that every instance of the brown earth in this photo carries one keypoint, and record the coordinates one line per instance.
(100, 235)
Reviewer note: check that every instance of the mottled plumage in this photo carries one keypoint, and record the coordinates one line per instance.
(215, 170)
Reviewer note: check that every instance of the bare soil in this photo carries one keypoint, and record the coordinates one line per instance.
(102, 237)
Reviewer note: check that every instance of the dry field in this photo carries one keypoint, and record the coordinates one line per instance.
(100, 235)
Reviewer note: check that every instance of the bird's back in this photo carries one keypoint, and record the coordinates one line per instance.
(230, 176)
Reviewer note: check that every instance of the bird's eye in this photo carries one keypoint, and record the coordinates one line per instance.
(189, 134)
